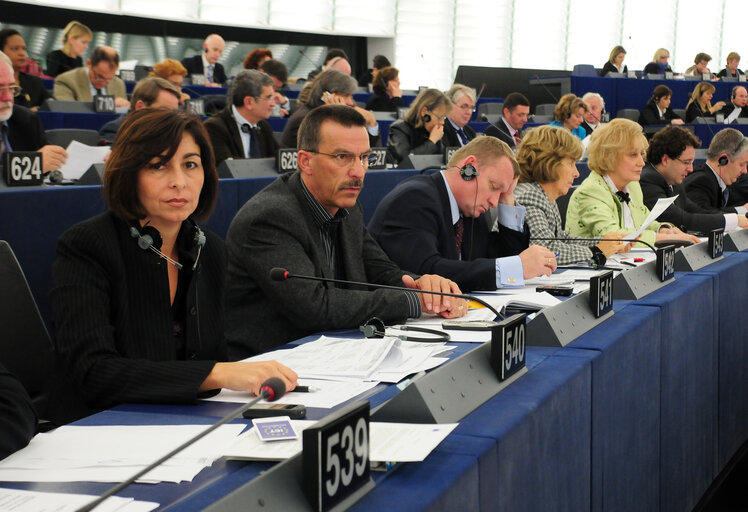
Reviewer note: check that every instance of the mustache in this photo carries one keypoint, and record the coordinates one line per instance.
(351, 183)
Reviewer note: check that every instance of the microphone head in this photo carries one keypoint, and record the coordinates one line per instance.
(272, 389)
(278, 274)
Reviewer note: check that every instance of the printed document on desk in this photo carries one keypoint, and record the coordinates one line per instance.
(81, 157)
(19, 500)
(660, 206)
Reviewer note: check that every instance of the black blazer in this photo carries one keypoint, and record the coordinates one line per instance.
(58, 63)
(413, 224)
(694, 110)
(33, 92)
(113, 318)
(703, 189)
(194, 66)
(683, 213)
(726, 72)
(738, 191)
(729, 107)
(227, 142)
(25, 131)
(587, 128)
(17, 415)
(405, 139)
(608, 67)
(650, 114)
(383, 103)
(450, 137)
(653, 68)
(500, 131)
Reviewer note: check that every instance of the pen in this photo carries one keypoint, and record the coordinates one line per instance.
(627, 263)
(304, 389)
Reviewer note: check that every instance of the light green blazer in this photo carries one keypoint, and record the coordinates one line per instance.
(74, 85)
(594, 210)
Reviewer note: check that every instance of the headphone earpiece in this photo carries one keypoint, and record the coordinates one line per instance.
(426, 118)
(205, 50)
(373, 328)
(147, 237)
(468, 172)
(723, 160)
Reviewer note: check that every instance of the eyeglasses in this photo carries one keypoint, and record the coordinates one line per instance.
(467, 106)
(439, 118)
(347, 159)
(102, 78)
(266, 98)
(687, 163)
(15, 90)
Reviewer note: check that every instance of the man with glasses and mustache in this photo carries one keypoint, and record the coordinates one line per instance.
(21, 128)
(240, 130)
(670, 158)
(98, 77)
(311, 223)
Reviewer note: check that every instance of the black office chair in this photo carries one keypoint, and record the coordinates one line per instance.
(25, 346)
(563, 205)
(64, 136)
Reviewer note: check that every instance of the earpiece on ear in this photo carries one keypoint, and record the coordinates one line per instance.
(468, 172)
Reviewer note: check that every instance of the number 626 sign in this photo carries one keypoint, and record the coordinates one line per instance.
(336, 459)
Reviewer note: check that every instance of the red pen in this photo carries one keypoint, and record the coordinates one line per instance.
(638, 260)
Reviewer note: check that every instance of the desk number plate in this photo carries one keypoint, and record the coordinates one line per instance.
(381, 161)
(716, 242)
(103, 104)
(23, 168)
(508, 346)
(665, 262)
(601, 293)
(335, 457)
(288, 160)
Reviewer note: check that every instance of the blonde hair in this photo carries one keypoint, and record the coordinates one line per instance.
(615, 52)
(659, 54)
(567, 105)
(610, 141)
(432, 99)
(733, 56)
(701, 88)
(74, 29)
(542, 150)
(486, 149)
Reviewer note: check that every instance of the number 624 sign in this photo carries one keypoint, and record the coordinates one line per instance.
(23, 168)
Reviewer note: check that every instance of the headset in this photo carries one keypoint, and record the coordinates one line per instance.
(149, 238)
(375, 328)
(426, 118)
(723, 159)
(468, 172)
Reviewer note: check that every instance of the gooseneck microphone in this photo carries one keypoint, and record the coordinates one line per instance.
(579, 239)
(281, 274)
(272, 389)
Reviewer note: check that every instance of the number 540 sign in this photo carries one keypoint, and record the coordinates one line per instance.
(23, 168)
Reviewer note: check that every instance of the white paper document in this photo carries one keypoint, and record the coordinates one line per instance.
(660, 206)
(113, 453)
(81, 157)
(16, 500)
(389, 442)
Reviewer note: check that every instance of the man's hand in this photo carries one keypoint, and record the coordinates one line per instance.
(121, 102)
(537, 261)
(742, 221)
(508, 196)
(53, 157)
(448, 307)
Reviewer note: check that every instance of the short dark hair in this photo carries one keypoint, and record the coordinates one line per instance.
(515, 98)
(247, 82)
(661, 91)
(309, 130)
(671, 141)
(251, 61)
(102, 54)
(6, 34)
(380, 61)
(147, 90)
(147, 134)
(335, 52)
(275, 68)
(702, 56)
(332, 81)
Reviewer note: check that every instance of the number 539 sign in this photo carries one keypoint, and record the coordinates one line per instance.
(336, 459)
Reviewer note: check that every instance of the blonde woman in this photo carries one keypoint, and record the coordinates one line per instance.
(700, 104)
(75, 39)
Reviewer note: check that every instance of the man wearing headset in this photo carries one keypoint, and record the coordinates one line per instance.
(207, 64)
(709, 185)
(439, 223)
(457, 132)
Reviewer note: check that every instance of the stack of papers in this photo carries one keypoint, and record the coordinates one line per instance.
(389, 442)
(115, 453)
(33, 501)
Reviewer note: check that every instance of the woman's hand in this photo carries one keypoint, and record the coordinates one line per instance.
(241, 376)
(616, 246)
(436, 133)
(717, 106)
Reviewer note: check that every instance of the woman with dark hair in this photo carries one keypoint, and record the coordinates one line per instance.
(138, 290)
(256, 57)
(387, 97)
(700, 104)
(422, 129)
(32, 93)
(615, 61)
(657, 110)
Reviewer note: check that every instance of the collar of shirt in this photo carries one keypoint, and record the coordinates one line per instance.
(452, 201)
(320, 216)
(612, 185)
(206, 63)
(512, 131)
(239, 122)
(453, 124)
(93, 89)
(722, 184)
(662, 112)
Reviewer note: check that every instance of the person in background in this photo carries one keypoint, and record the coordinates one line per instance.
(457, 132)
(98, 77)
(700, 65)
(173, 72)
(595, 108)
(610, 199)
(75, 39)
(731, 69)
(658, 110)
(737, 106)
(333, 55)
(515, 111)
(569, 114)
(278, 71)
(387, 97)
(379, 62)
(547, 168)
(700, 103)
(256, 57)
(33, 92)
(669, 160)
(422, 130)
(615, 62)
(659, 64)
(135, 324)
(207, 63)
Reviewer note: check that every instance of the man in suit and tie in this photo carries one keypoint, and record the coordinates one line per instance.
(726, 160)
(669, 160)
(737, 107)
(97, 77)
(207, 64)
(509, 127)
(593, 116)
(439, 223)
(457, 133)
(240, 130)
